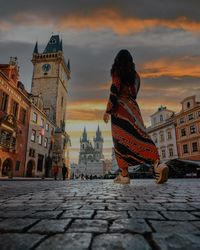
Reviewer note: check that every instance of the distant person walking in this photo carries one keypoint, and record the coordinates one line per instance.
(64, 171)
(132, 144)
(55, 170)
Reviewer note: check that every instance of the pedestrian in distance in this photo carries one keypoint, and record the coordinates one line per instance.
(55, 170)
(64, 171)
(132, 144)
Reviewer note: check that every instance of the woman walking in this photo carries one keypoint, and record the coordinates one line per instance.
(132, 144)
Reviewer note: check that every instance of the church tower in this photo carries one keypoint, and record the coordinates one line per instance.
(50, 79)
(98, 145)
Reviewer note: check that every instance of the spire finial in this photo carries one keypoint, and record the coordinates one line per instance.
(35, 51)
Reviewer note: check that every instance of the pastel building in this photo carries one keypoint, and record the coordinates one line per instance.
(40, 140)
(14, 119)
(188, 129)
(163, 133)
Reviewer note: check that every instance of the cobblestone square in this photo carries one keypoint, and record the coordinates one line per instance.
(98, 214)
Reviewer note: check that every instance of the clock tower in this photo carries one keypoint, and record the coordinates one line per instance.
(50, 79)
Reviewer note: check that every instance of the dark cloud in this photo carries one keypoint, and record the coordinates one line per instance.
(23, 51)
(170, 9)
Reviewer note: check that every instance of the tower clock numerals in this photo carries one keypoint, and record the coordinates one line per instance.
(46, 67)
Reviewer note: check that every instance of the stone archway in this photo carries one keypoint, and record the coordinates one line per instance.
(7, 168)
(30, 168)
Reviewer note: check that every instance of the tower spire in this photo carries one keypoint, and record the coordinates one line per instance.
(61, 46)
(68, 64)
(35, 51)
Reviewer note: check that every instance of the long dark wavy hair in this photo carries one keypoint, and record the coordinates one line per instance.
(124, 67)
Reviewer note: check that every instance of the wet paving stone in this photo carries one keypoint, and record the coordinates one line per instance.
(171, 215)
(111, 215)
(130, 225)
(120, 241)
(46, 214)
(171, 241)
(146, 215)
(174, 226)
(50, 226)
(78, 214)
(121, 206)
(16, 225)
(89, 226)
(68, 241)
(17, 241)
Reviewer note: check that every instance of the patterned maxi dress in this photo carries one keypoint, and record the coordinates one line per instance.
(132, 144)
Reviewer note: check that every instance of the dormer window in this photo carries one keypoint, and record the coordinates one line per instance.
(161, 118)
(188, 105)
(53, 41)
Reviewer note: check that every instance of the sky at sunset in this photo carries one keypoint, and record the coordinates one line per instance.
(163, 37)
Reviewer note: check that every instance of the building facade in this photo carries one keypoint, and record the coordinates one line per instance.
(14, 117)
(163, 133)
(40, 141)
(91, 156)
(50, 79)
(188, 129)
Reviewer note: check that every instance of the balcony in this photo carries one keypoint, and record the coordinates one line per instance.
(7, 143)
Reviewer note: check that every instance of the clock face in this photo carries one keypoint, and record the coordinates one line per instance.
(46, 67)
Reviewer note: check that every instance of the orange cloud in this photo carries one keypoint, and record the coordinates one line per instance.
(123, 25)
(186, 66)
(5, 26)
(87, 109)
(106, 18)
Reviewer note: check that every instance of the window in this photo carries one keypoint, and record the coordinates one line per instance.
(162, 137)
(169, 135)
(40, 139)
(52, 130)
(34, 118)
(23, 116)
(199, 113)
(194, 147)
(163, 153)
(47, 127)
(190, 116)
(183, 132)
(161, 118)
(31, 152)
(62, 101)
(185, 148)
(40, 162)
(33, 135)
(17, 166)
(15, 108)
(42, 123)
(192, 129)
(45, 142)
(188, 105)
(171, 153)
(155, 139)
(154, 120)
(4, 102)
(182, 120)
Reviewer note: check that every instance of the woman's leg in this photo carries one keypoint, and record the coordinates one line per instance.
(122, 165)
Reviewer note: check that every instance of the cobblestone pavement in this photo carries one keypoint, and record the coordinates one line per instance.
(98, 214)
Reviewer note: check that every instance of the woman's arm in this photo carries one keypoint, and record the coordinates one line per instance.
(114, 93)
